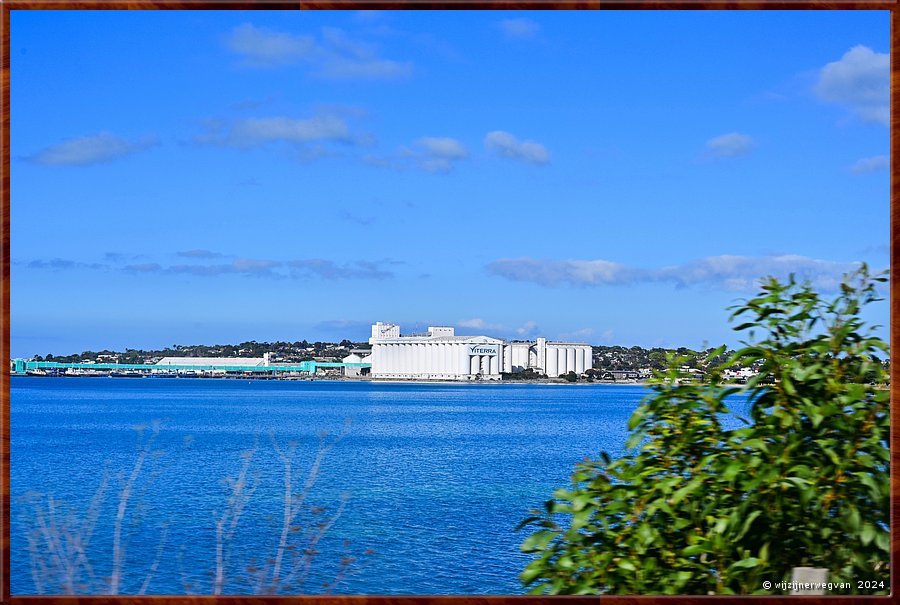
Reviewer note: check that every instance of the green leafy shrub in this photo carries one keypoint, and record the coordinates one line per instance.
(698, 509)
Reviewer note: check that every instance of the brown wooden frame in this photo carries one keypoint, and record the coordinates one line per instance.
(8, 5)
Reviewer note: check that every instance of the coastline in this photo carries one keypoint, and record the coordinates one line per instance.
(543, 382)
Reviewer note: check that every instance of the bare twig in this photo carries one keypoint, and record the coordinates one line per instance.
(227, 523)
(153, 568)
(124, 495)
(302, 571)
(293, 505)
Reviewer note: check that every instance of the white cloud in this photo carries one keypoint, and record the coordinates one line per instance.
(479, 324)
(319, 128)
(521, 28)
(727, 272)
(529, 327)
(729, 145)
(94, 149)
(553, 273)
(476, 323)
(431, 154)
(262, 47)
(859, 81)
(508, 146)
(741, 273)
(310, 134)
(873, 164)
(335, 56)
(327, 269)
(204, 263)
(447, 148)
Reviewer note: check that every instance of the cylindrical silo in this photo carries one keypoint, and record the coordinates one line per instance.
(551, 369)
(570, 359)
(474, 364)
(579, 360)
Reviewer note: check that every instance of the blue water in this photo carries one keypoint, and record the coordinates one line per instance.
(438, 475)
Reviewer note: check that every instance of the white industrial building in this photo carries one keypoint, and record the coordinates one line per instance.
(216, 361)
(440, 354)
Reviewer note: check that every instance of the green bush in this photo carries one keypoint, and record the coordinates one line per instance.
(697, 509)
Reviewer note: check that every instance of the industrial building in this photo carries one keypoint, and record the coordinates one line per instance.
(440, 354)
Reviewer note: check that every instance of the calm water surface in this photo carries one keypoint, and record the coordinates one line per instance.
(438, 475)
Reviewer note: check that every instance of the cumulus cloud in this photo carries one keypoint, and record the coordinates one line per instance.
(508, 146)
(333, 55)
(439, 154)
(728, 272)
(431, 154)
(873, 164)
(860, 82)
(255, 132)
(261, 47)
(554, 273)
(476, 323)
(93, 149)
(529, 327)
(326, 269)
(447, 148)
(729, 145)
(479, 324)
(239, 266)
(64, 264)
(248, 267)
(520, 28)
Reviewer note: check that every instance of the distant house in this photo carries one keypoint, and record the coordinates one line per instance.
(625, 374)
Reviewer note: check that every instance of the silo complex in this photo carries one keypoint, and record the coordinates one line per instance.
(440, 354)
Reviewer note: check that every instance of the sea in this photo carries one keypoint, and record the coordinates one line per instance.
(180, 486)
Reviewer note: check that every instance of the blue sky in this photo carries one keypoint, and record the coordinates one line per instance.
(604, 177)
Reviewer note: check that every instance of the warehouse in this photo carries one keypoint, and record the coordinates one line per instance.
(439, 354)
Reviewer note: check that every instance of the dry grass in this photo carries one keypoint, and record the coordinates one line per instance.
(58, 537)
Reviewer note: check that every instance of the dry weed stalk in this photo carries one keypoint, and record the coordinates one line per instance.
(58, 540)
(227, 523)
(144, 450)
(293, 501)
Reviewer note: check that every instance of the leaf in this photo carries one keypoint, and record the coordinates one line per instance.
(870, 482)
(853, 519)
(747, 522)
(532, 572)
(538, 540)
(695, 549)
(626, 564)
(867, 534)
(747, 563)
(682, 493)
(883, 541)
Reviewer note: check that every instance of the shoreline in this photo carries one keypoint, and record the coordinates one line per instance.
(543, 382)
